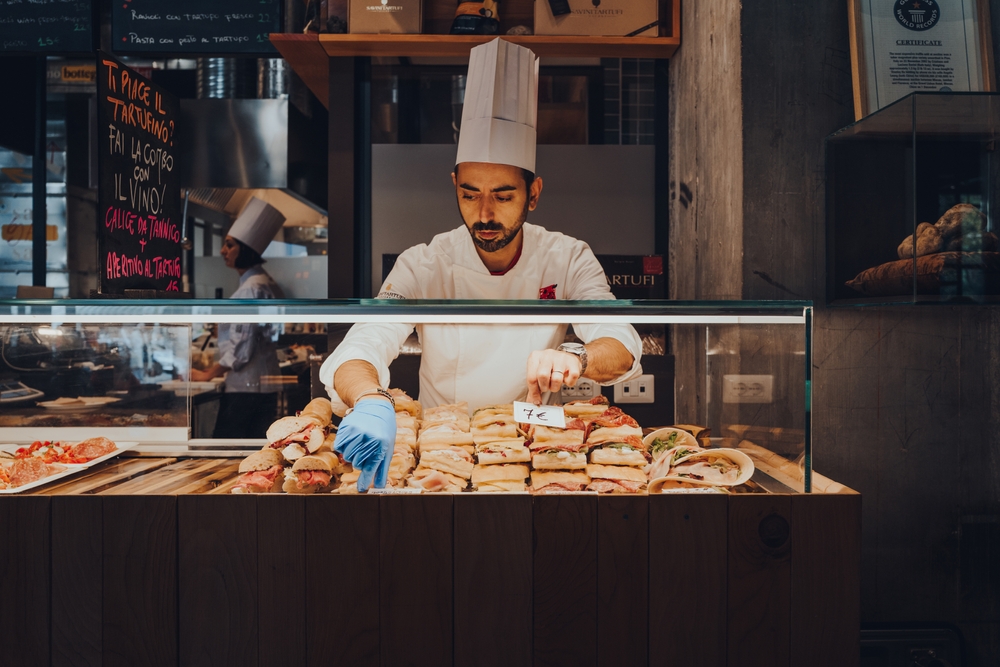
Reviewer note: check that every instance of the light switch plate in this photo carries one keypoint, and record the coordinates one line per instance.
(638, 390)
(747, 388)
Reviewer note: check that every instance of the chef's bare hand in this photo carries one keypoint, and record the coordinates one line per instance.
(549, 370)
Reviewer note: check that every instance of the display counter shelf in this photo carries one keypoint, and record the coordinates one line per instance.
(148, 560)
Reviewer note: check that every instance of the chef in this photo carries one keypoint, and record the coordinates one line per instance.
(496, 254)
(247, 351)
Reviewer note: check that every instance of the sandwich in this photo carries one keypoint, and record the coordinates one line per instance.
(612, 426)
(490, 427)
(444, 435)
(558, 481)
(259, 472)
(670, 441)
(406, 437)
(310, 473)
(628, 453)
(665, 459)
(586, 409)
(451, 413)
(509, 450)
(509, 477)
(400, 465)
(559, 449)
(718, 467)
(435, 481)
(406, 421)
(404, 403)
(616, 479)
(454, 461)
(319, 409)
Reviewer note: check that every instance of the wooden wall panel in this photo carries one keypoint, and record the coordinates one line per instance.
(217, 580)
(826, 585)
(342, 541)
(24, 579)
(492, 580)
(77, 580)
(281, 579)
(565, 580)
(688, 569)
(140, 581)
(415, 580)
(759, 580)
(622, 580)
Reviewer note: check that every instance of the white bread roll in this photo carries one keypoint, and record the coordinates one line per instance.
(616, 472)
(617, 456)
(435, 481)
(512, 450)
(499, 473)
(319, 409)
(404, 403)
(559, 480)
(262, 460)
(613, 434)
(559, 461)
(454, 461)
(502, 486)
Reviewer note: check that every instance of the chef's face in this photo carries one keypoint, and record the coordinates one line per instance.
(494, 202)
(230, 251)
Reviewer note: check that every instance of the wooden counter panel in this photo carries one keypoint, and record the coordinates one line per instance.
(688, 547)
(281, 579)
(492, 580)
(622, 580)
(826, 577)
(416, 580)
(217, 580)
(342, 601)
(140, 581)
(759, 578)
(565, 580)
(77, 580)
(24, 579)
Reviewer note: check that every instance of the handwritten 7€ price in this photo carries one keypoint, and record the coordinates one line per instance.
(543, 415)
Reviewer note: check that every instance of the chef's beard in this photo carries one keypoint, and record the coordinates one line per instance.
(506, 235)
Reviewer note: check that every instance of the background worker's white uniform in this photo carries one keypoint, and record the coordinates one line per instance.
(481, 364)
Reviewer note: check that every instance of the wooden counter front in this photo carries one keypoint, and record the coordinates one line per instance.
(108, 570)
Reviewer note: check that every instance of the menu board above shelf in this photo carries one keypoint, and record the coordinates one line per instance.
(307, 54)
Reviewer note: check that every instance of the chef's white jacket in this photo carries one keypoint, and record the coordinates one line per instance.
(249, 349)
(484, 364)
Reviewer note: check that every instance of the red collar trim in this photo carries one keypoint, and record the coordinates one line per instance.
(512, 262)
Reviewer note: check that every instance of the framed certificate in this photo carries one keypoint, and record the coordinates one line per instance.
(900, 47)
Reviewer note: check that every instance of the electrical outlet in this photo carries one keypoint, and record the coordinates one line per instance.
(747, 388)
(639, 390)
(583, 389)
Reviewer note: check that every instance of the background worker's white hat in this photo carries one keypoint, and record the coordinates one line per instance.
(257, 225)
(501, 106)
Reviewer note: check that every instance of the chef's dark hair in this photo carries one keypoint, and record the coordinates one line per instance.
(248, 257)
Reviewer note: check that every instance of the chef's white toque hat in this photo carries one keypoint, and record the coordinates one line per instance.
(501, 106)
(257, 224)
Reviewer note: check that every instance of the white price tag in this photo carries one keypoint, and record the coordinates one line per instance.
(543, 415)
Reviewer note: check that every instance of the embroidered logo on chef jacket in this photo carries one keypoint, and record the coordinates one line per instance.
(387, 293)
(548, 292)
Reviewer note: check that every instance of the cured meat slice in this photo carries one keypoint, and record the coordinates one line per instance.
(91, 449)
(26, 471)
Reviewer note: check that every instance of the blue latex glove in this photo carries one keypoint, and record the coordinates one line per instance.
(366, 438)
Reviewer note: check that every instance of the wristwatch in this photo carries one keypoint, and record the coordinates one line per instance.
(579, 350)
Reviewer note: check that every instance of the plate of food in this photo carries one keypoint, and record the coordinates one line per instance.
(78, 404)
(26, 467)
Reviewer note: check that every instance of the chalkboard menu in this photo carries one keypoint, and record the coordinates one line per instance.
(139, 185)
(46, 26)
(232, 27)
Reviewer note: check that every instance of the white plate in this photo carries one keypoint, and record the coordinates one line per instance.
(89, 403)
(66, 469)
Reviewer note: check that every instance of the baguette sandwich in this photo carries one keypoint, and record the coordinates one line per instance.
(586, 409)
(509, 477)
(404, 403)
(259, 472)
(454, 461)
(616, 479)
(560, 481)
(310, 473)
(435, 481)
(509, 450)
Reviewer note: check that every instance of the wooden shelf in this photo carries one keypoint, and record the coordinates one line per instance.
(308, 54)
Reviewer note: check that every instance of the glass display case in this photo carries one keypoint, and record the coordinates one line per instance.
(75, 369)
(909, 193)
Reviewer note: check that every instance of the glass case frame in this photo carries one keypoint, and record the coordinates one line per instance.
(712, 341)
(905, 164)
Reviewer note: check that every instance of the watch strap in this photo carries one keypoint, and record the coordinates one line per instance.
(373, 392)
